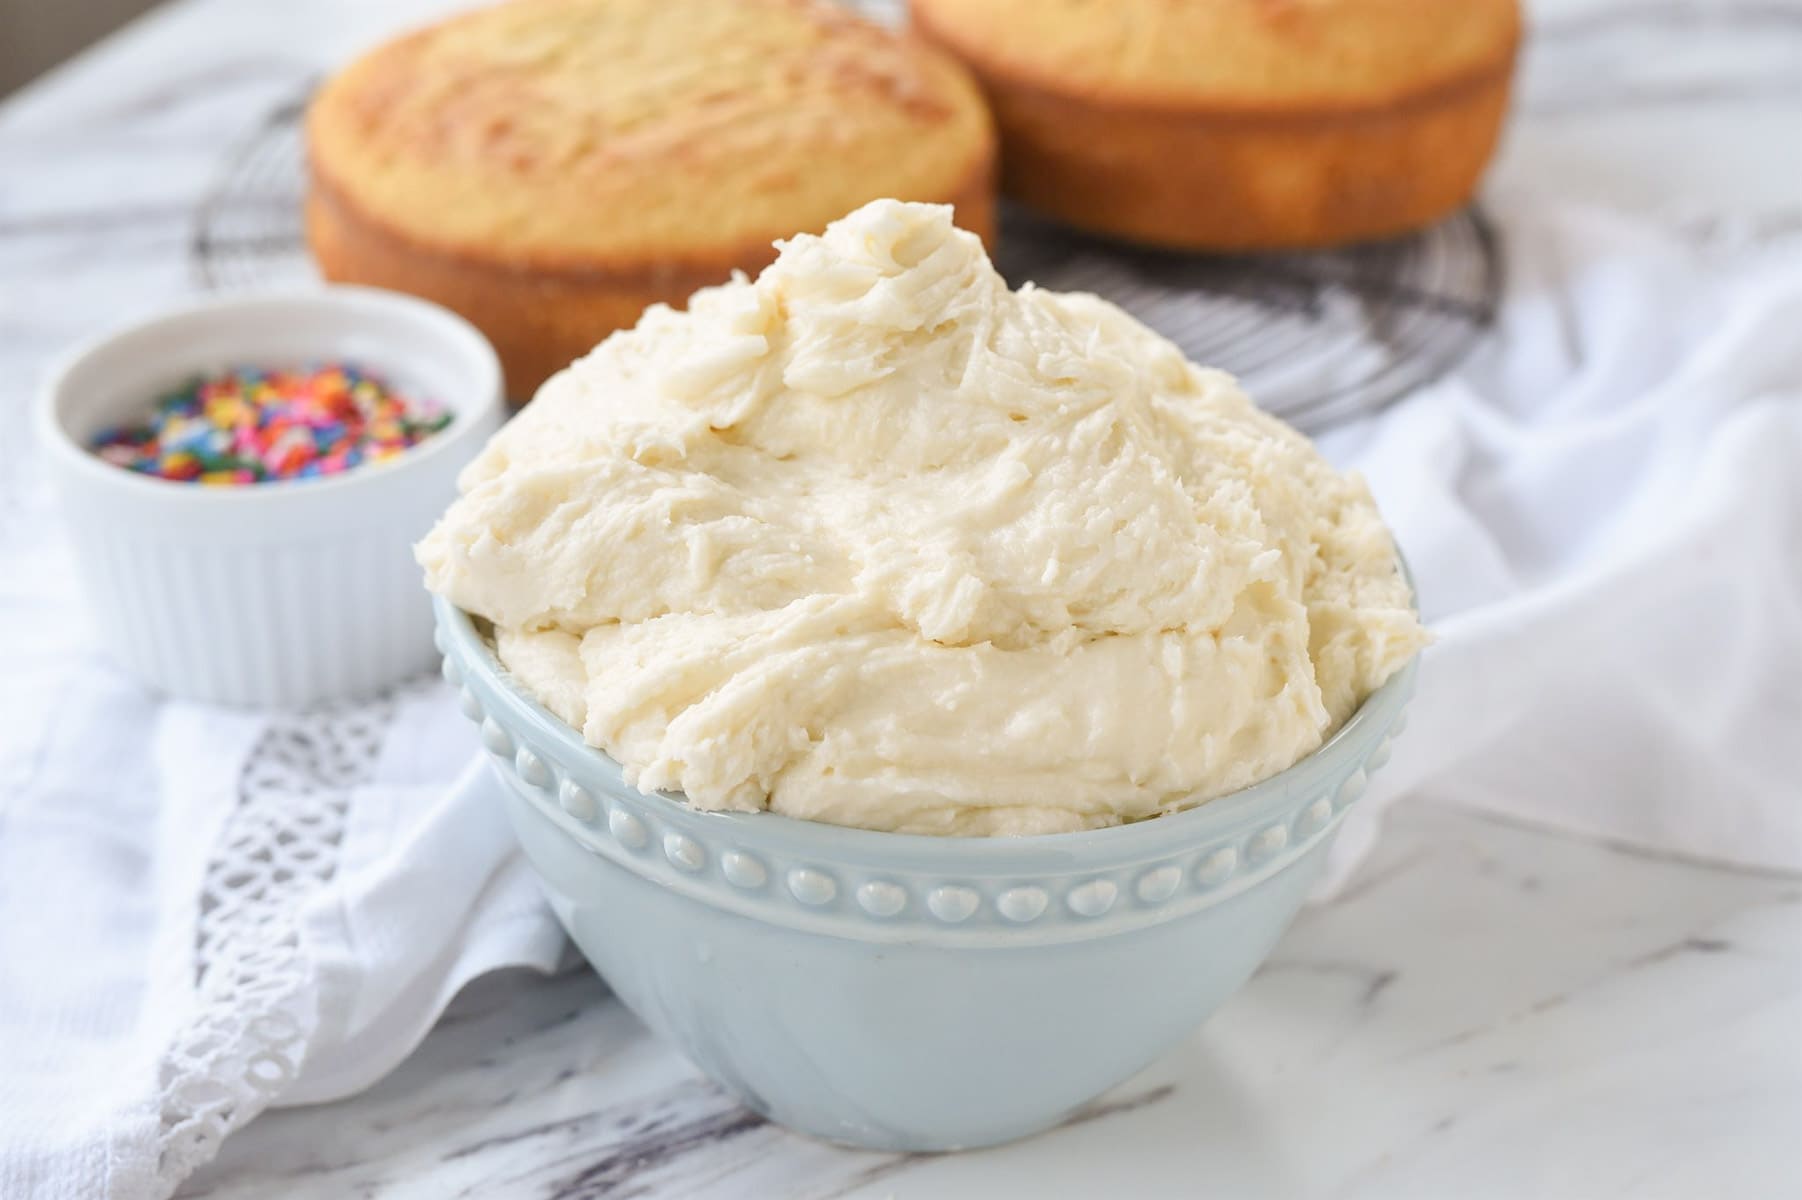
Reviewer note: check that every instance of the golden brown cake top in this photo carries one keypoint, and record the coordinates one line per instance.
(1255, 56)
(641, 134)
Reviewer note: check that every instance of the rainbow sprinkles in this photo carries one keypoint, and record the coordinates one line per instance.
(248, 426)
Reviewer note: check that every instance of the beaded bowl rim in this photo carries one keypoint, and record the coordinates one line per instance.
(1153, 839)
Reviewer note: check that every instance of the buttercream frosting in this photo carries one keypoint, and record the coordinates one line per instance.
(875, 540)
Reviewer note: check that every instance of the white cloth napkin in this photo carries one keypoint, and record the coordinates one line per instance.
(205, 912)
(202, 913)
(1603, 513)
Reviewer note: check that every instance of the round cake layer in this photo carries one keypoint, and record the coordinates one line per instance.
(1255, 57)
(1241, 124)
(550, 167)
(641, 135)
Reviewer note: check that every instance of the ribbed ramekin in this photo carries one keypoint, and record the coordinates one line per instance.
(900, 992)
(275, 594)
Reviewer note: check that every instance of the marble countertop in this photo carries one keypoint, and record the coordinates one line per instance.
(1488, 1010)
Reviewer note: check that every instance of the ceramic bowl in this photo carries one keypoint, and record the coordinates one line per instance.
(275, 594)
(910, 993)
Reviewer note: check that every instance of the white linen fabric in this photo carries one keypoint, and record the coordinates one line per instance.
(204, 912)
(1603, 513)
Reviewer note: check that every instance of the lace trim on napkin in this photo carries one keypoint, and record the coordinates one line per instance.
(255, 1000)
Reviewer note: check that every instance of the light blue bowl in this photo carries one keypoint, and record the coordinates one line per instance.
(899, 992)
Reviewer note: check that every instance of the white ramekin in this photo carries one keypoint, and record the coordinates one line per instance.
(275, 594)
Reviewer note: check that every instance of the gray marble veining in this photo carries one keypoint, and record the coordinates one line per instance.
(1489, 1011)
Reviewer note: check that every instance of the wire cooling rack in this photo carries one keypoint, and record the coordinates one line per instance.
(1317, 337)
